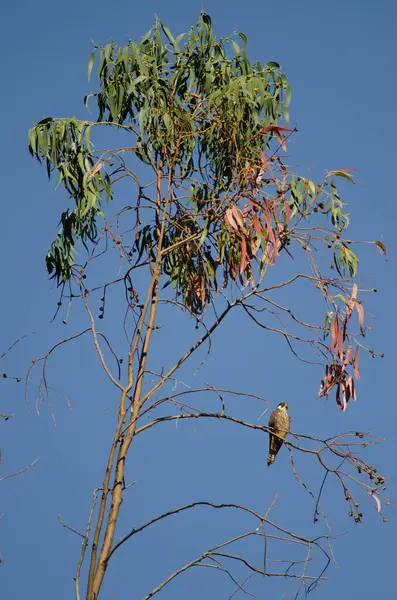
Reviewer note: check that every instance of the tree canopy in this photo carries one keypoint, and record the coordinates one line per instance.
(201, 134)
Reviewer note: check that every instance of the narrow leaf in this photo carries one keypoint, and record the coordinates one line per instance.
(90, 64)
(343, 173)
(381, 247)
(229, 218)
(244, 257)
(378, 505)
(168, 34)
(356, 366)
(348, 356)
(275, 128)
(238, 217)
(264, 161)
(360, 311)
(288, 94)
(244, 38)
(95, 169)
(334, 333)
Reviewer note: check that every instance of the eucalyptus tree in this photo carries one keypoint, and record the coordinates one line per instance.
(198, 133)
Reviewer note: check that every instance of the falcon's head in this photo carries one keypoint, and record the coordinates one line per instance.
(282, 406)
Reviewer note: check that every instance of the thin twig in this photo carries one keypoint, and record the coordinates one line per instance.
(19, 472)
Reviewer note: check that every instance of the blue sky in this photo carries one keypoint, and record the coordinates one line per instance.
(340, 61)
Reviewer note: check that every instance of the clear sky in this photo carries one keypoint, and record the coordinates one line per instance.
(340, 60)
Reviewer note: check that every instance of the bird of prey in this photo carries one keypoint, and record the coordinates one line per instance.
(279, 423)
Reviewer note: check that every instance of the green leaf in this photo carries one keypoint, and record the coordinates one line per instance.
(126, 58)
(345, 175)
(167, 121)
(288, 94)
(146, 36)
(312, 187)
(177, 40)
(236, 48)
(168, 34)
(206, 19)
(90, 64)
(86, 98)
(204, 234)
(32, 141)
(244, 38)
(135, 82)
(273, 64)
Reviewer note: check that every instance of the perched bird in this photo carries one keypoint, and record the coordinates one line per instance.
(280, 423)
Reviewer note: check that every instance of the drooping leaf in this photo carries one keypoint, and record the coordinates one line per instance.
(377, 501)
(90, 64)
(244, 256)
(381, 247)
(343, 173)
(275, 128)
(348, 356)
(360, 311)
(356, 365)
(244, 39)
(334, 333)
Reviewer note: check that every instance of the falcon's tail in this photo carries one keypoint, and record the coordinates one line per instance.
(275, 444)
(270, 459)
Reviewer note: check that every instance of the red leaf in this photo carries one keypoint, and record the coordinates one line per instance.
(230, 220)
(274, 242)
(352, 388)
(258, 227)
(347, 357)
(356, 367)
(270, 233)
(350, 303)
(335, 333)
(244, 257)
(276, 128)
(255, 245)
(238, 216)
(95, 169)
(264, 161)
(281, 140)
(360, 310)
(287, 212)
(340, 344)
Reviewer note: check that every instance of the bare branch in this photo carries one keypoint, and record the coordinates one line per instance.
(21, 471)
(70, 528)
(84, 545)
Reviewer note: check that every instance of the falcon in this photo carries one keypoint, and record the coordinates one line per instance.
(279, 423)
